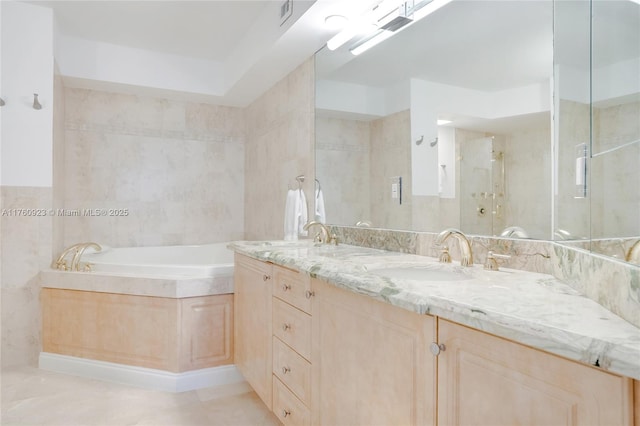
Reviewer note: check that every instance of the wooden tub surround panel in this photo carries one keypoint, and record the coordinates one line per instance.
(167, 334)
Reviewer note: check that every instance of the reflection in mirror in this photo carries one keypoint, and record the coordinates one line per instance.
(445, 124)
(598, 51)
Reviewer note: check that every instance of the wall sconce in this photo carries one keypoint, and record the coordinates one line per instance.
(36, 104)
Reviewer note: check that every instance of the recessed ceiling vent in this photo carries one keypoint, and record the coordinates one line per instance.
(286, 9)
(397, 19)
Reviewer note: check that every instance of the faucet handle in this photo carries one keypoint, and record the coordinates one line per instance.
(62, 265)
(444, 257)
(491, 264)
(86, 267)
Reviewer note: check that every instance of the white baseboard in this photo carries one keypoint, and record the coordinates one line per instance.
(138, 376)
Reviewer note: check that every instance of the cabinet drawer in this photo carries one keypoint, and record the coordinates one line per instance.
(293, 327)
(292, 287)
(293, 370)
(289, 409)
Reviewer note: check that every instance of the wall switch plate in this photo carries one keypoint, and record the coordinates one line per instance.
(396, 189)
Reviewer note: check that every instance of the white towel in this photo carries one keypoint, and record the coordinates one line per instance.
(321, 216)
(290, 225)
(295, 215)
(301, 212)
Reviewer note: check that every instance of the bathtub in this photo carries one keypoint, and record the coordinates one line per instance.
(207, 260)
(156, 317)
(166, 271)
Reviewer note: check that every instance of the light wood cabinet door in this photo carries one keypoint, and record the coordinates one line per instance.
(636, 402)
(486, 380)
(370, 361)
(253, 301)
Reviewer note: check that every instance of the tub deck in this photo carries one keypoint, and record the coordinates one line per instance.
(175, 287)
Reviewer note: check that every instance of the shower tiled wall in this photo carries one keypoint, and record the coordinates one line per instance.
(170, 172)
(279, 147)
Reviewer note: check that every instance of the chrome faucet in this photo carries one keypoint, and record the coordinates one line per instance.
(633, 255)
(324, 236)
(466, 255)
(514, 231)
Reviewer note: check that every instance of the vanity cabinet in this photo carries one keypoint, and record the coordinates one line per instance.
(320, 355)
(371, 363)
(252, 334)
(486, 380)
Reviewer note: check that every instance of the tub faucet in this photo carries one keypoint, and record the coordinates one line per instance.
(324, 236)
(77, 250)
(75, 262)
(633, 255)
(61, 263)
(466, 255)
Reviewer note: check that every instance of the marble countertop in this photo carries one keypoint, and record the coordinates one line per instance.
(530, 308)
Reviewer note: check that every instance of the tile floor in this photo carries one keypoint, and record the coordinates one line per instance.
(36, 397)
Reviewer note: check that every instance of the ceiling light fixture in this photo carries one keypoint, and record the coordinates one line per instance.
(376, 39)
(386, 18)
(341, 38)
(443, 122)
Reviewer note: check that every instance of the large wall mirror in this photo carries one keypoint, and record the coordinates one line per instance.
(468, 118)
(597, 101)
(447, 123)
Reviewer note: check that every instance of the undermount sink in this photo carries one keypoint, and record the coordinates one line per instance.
(421, 274)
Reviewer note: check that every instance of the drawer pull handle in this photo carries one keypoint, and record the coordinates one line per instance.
(309, 294)
(266, 277)
(285, 327)
(286, 413)
(285, 370)
(286, 287)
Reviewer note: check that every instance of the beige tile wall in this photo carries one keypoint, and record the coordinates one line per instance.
(26, 249)
(279, 147)
(391, 157)
(615, 172)
(58, 161)
(528, 181)
(177, 167)
(343, 168)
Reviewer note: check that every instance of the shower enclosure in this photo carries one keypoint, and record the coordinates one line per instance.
(482, 186)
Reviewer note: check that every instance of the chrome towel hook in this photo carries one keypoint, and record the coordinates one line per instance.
(36, 104)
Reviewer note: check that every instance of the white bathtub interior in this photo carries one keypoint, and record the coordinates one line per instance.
(207, 260)
(167, 271)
